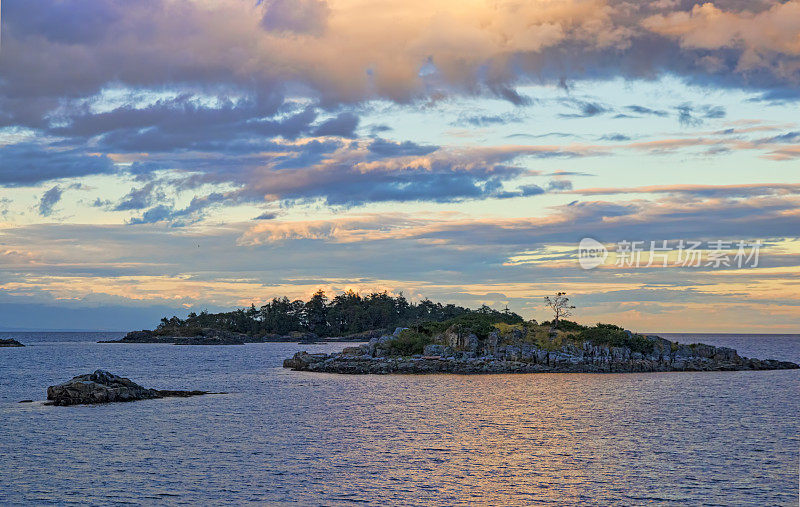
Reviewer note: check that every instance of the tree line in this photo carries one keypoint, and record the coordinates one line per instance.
(345, 314)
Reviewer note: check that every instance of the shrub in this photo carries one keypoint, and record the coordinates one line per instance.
(566, 325)
(544, 340)
(409, 342)
(482, 324)
(615, 336)
(505, 329)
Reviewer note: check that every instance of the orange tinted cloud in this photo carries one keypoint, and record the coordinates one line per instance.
(774, 30)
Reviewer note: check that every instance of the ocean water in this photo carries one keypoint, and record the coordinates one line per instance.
(279, 437)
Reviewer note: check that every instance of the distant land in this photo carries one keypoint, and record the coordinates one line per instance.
(346, 316)
(50, 330)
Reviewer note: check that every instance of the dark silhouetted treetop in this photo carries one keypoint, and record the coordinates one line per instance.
(345, 314)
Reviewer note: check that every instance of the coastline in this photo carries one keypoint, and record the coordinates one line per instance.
(472, 355)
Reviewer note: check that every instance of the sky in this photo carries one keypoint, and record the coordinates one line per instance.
(165, 156)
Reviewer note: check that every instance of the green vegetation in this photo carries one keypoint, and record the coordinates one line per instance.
(481, 322)
(573, 333)
(409, 342)
(346, 314)
(615, 336)
(566, 325)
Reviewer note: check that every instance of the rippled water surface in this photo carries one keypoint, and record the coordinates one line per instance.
(727, 438)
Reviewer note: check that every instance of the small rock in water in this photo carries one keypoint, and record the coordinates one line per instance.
(10, 342)
(104, 387)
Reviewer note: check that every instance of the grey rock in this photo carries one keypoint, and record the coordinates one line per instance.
(455, 352)
(104, 387)
(437, 350)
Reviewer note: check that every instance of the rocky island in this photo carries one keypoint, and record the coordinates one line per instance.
(475, 345)
(210, 336)
(10, 342)
(346, 317)
(104, 387)
(204, 336)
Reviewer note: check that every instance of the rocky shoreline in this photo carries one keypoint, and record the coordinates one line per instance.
(489, 356)
(104, 387)
(209, 336)
(10, 342)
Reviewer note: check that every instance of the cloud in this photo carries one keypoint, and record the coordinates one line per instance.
(587, 109)
(615, 137)
(298, 16)
(689, 115)
(743, 215)
(352, 176)
(646, 111)
(184, 122)
(139, 198)
(32, 163)
(484, 120)
(742, 190)
(385, 148)
(50, 199)
(343, 125)
(759, 37)
(366, 171)
(489, 49)
(179, 217)
(559, 185)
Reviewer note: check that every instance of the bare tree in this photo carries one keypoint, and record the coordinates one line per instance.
(560, 306)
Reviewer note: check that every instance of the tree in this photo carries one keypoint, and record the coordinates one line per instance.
(560, 306)
(316, 313)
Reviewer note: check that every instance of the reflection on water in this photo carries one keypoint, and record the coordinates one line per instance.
(281, 436)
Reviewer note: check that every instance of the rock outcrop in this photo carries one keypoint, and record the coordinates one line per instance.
(209, 336)
(469, 354)
(205, 336)
(10, 342)
(104, 387)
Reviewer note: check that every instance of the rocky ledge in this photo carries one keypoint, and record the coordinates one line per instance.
(204, 336)
(104, 387)
(10, 342)
(210, 336)
(467, 353)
